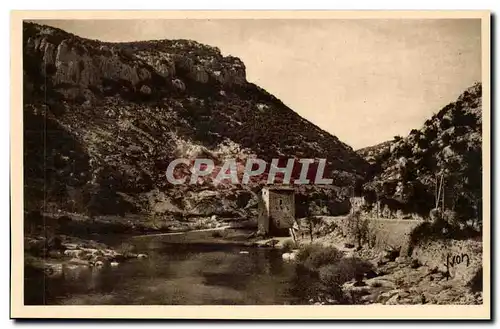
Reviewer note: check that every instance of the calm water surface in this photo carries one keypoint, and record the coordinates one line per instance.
(176, 274)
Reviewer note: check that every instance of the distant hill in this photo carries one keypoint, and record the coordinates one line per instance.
(370, 153)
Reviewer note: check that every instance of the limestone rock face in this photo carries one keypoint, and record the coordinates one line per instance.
(79, 67)
(49, 54)
(86, 64)
(162, 63)
(225, 71)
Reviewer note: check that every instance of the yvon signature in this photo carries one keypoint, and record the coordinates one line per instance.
(454, 260)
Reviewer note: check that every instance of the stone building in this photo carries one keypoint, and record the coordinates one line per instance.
(276, 210)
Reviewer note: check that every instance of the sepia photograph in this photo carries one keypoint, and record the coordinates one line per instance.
(326, 163)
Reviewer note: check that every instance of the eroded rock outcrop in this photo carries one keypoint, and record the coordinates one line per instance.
(406, 172)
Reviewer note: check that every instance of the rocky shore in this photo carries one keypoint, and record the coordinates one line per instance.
(54, 254)
(53, 242)
(364, 274)
(404, 280)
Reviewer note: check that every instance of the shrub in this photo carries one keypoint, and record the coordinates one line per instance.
(357, 227)
(126, 249)
(314, 256)
(419, 234)
(445, 123)
(451, 217)
(289, 245)
(216, 234)
(344, 270)
(306, 250)
(332, 275)
(313, 224)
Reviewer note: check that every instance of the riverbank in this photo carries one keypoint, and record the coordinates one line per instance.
(56, 241)
(53, 255)
(388, 276)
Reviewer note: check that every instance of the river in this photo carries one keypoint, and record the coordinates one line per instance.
(176, 274)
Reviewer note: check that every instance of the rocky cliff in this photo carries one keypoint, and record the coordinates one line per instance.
(103, 121)
(405, 173)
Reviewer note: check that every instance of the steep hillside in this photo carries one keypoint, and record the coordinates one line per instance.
(104, 120)
(405, 173)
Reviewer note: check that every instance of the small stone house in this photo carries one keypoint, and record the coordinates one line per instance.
(276, 210)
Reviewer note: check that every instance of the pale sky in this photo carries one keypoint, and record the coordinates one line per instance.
(364, 81)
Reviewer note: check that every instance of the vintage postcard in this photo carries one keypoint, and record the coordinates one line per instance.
(250, 165)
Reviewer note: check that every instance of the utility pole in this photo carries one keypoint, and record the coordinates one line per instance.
(436, 189)
(438, 197)
(442, 203)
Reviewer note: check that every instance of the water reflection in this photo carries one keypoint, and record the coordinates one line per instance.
(175, 274)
